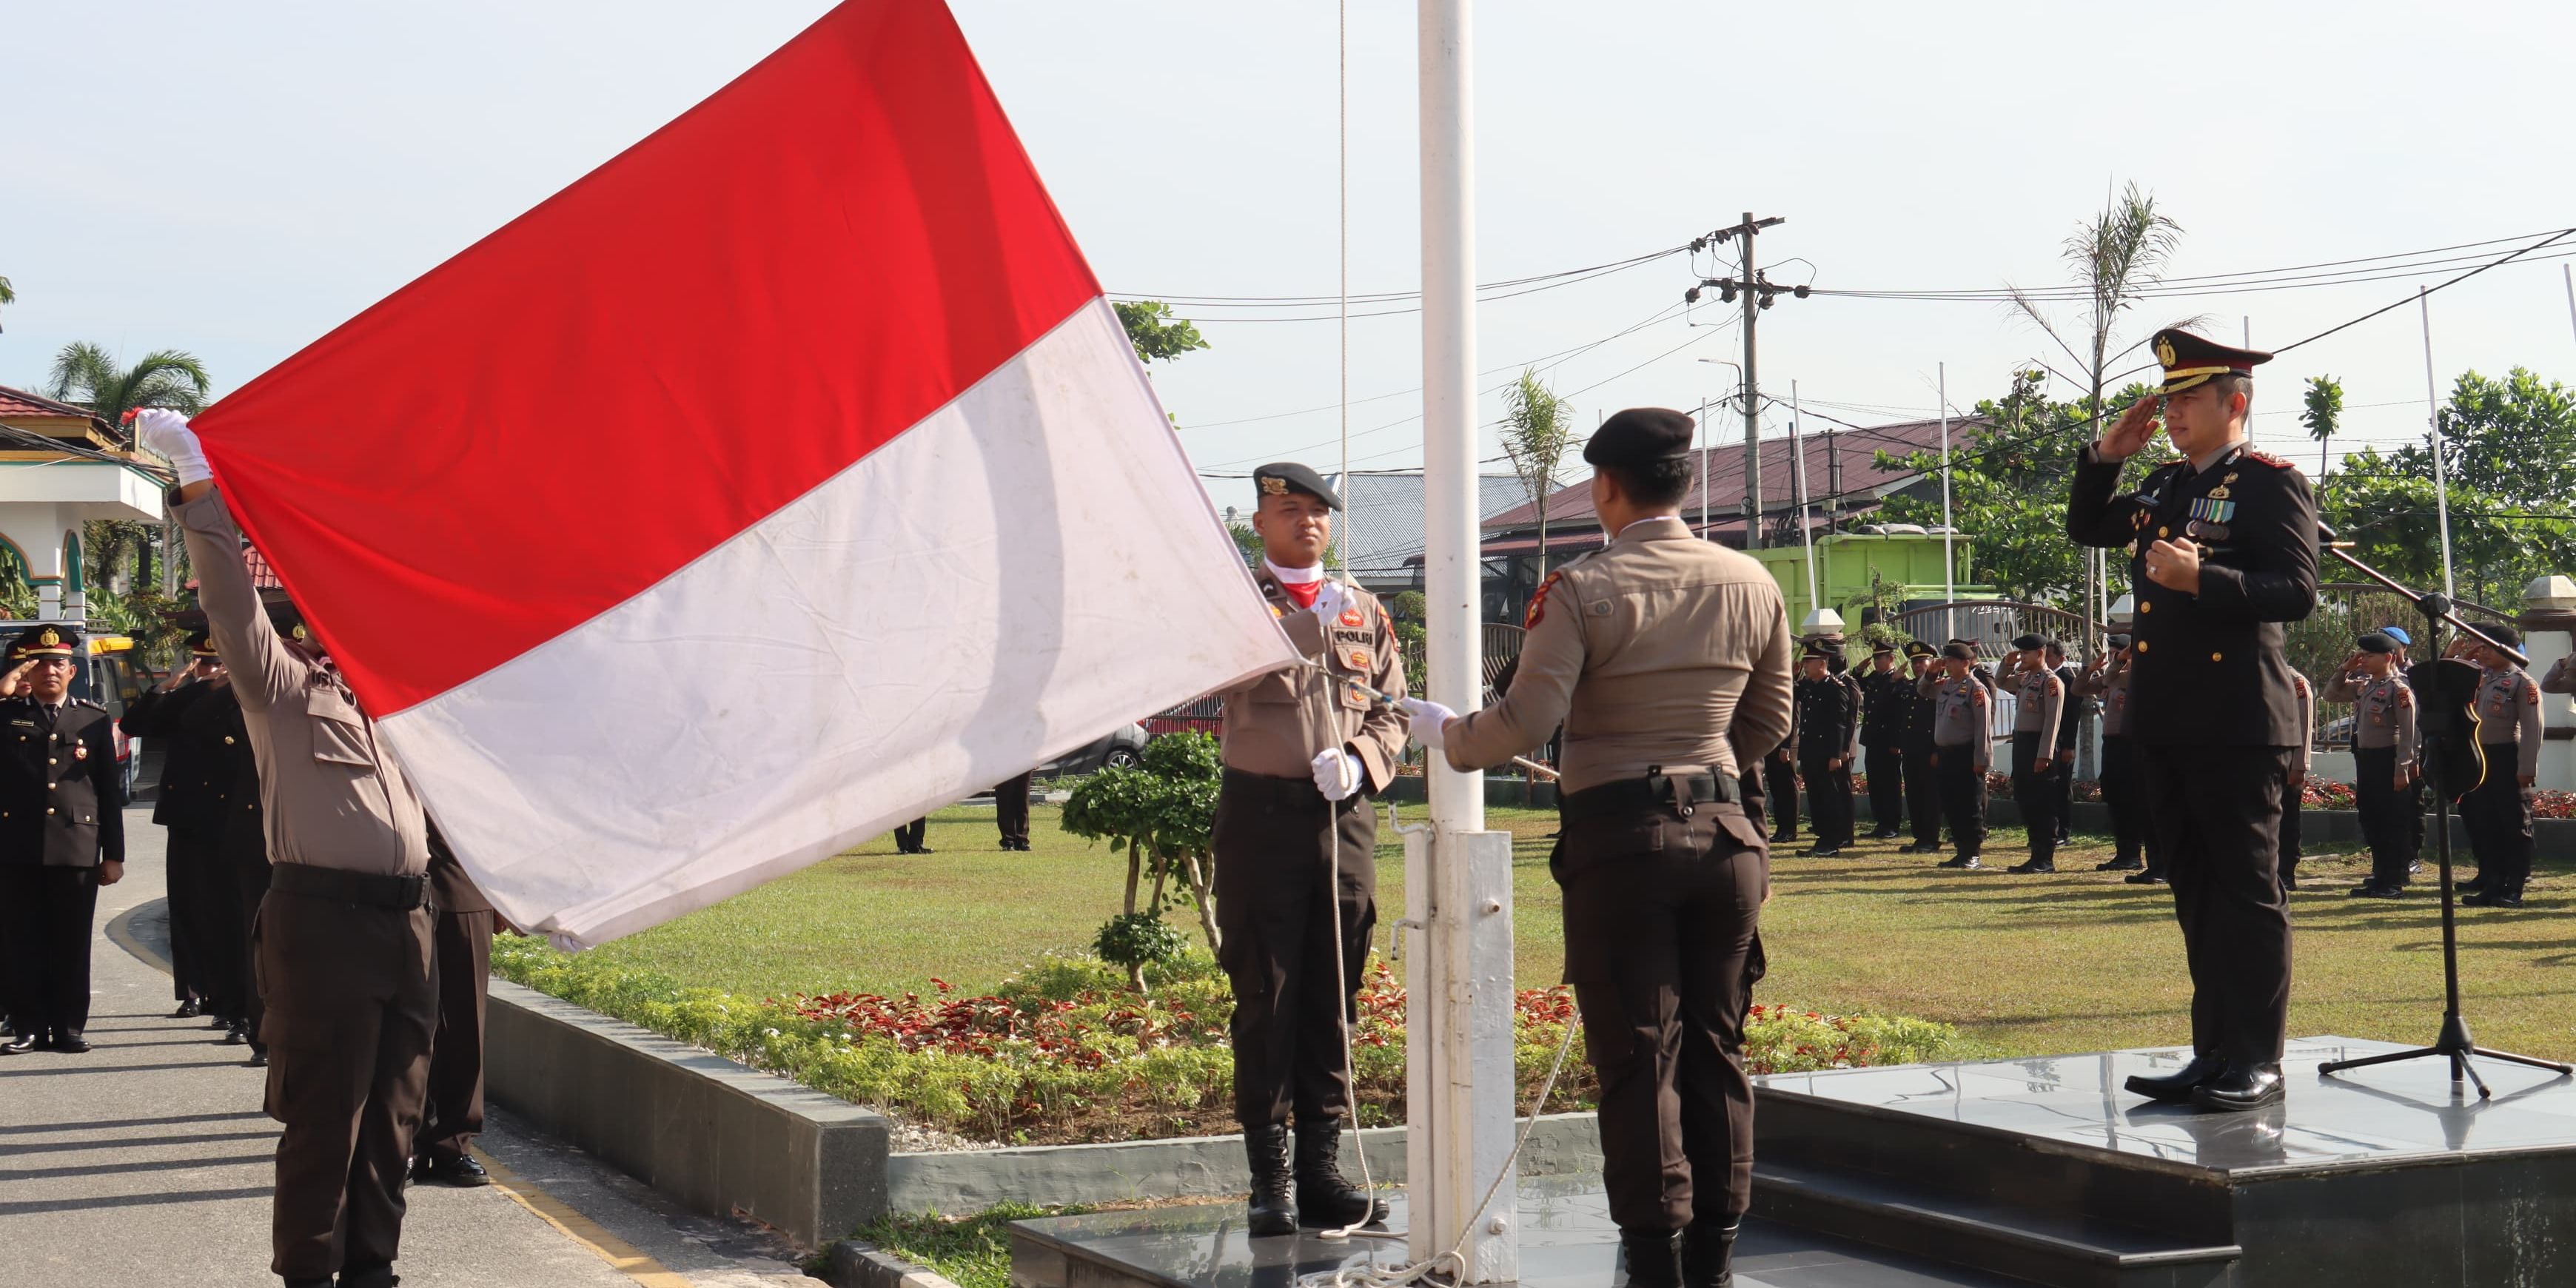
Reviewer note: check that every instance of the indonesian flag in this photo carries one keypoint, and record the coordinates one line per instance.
(782, 479)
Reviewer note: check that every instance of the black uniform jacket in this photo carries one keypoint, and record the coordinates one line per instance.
(2207, 668)
(1826, 710)
(1886, 702)
(190, 727)
(61, 794)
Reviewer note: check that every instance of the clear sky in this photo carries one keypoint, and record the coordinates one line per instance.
(236, 179)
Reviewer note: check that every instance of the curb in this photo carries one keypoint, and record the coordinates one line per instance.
(853, 1264)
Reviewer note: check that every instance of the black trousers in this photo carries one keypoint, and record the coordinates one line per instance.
(2498, 817)
(1963, 796)
(1279, 896)
(352, 1004)
(1780, 795)
(2120, 793)
(1662, 946)
(2392, 818)
(2291, 811)
(50, 913)
(249, 870)
(2035, 791)
(907, 836)
(1829, 799)
(1011, 809)
(1886, 769)
(1922, 793)
(209, 935)
(452, 1110)
(2217, 814)
(2062, 773)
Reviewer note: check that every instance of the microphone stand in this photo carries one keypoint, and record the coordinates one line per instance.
(2454, 1042)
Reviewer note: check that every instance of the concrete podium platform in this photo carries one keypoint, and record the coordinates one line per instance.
(2034, 1171)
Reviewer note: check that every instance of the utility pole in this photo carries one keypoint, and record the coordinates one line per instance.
(1755, 291)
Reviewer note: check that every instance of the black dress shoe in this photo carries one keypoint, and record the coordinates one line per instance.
(2130, 864)
(1887, 834)
(2492, 899)
(2144, 878)
(1820, 851)
(187, 1010)
(459, 1171)
(2374, 890)
(1963, 862)
(21, 1044)
(2033, 865)
(2175, 1088)
(235, 1035)
(220, 1021)
(368, 1277)
(2242, 1085)
(70, 1042)
(258, 1058)
(1708, 1253)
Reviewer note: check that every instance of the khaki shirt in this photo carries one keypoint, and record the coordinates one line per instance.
(1272, 722)
(2042, 703)
(1661, 650)
(2383, 711)
(332, 794)
(2110, 684)
(2509, 712)
(1959, 714)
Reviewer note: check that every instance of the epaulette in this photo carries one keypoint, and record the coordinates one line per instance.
(1538, 601)
(84, 702)
(2274, 461)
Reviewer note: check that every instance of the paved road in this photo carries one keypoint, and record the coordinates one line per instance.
(148, 1161)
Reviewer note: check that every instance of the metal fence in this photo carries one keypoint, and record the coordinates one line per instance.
(2346, 610)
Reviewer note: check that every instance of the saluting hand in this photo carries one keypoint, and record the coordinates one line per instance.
(2129, 435)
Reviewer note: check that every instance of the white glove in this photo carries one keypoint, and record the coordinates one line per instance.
(165, 434)
(1430, 719)
(1337, 774)
(1329, 600)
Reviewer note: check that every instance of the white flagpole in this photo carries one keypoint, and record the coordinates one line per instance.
(2433, 417)
(1949, 559)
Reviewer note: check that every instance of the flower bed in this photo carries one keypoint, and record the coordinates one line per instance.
(1062, 1053)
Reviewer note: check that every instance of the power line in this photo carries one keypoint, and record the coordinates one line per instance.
(1386, 297)
(2363, 269)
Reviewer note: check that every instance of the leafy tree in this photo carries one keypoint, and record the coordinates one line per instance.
(1536, 432)
(1163, 811)
(8, 294)
(1156, 331)
(2322, 415)
(1410, 612)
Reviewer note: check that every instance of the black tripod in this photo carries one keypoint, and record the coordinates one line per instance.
(2449, 733)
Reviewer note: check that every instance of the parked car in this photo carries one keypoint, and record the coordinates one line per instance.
(1121, 746)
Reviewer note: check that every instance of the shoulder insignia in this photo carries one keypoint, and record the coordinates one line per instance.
(1977, 694)
(1538, 601)
(2274, 461)
(2405, 696)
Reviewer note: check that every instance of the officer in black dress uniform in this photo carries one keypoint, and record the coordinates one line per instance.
(1886, 695)
(1828, 710)
(62, 836)
(209, 938)
(2223, 549)
(1922, 785)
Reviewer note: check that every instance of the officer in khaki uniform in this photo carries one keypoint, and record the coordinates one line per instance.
(2223, 551)
(343, 943)
(62, 836)
(1666, 658)
(1303, 753)
(2107, 681)
(2498, 813)
(2039, 706)
(1962, 747)
(1922, 785)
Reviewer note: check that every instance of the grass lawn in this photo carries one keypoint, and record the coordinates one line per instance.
(2032, 965)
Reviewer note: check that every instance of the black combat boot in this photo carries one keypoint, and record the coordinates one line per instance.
(1325, 1199)
(1708, 1253)
(1273, 1212)
(1654, 1258)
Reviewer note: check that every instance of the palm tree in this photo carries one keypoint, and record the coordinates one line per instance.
(8, 294)
(2323, 416)
(1536, 432)
(88, 375)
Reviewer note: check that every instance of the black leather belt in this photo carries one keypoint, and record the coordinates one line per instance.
(370, 888)
(1653, 791)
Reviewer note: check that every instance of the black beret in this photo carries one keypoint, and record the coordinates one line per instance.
(46, 639)
(2026, 642)
(2375, 642)
(1282, 477)
(1960, 650)
(1917, 648)
(1640, 436)
(2502, 634)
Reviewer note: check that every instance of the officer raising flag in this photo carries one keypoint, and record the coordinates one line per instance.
(1665, 657)
(2223, 550)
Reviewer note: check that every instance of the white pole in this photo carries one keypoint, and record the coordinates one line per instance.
(1703, 471)
(2433, 417)
(2568, 272)
(2248, 342)
(1949, 559)
(1798, 465)
(1342, 100)
(1459, 1082)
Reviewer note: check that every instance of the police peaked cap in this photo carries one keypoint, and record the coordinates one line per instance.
(1280, 478)
(1917, 648)
(201, 644)
(46, 639)
(1819, 649)
(1881, 647)
(1640, 436)
(2192, 359)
